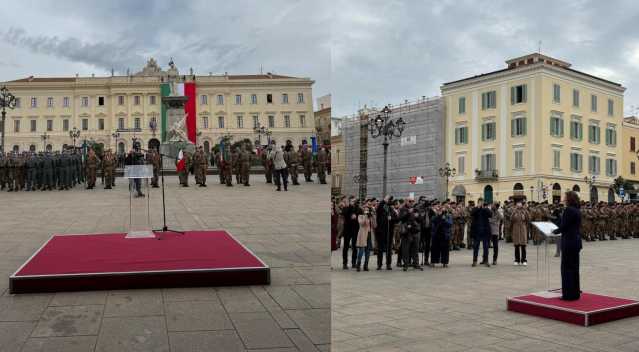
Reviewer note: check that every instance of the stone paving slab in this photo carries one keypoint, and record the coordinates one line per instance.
(462, 308)
(288, 230)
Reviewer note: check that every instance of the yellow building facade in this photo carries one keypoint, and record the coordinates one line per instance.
(630, 149)
(49, 108)
(533, 130)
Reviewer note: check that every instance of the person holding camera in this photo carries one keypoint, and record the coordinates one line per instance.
(383, 232)
(441, 233)
(409, 232)
(364, 241)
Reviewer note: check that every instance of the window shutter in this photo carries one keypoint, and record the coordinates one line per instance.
(561, 127)
(525, 93)
(512, 95)
(483, 132)
(512, 128)
(524, 121)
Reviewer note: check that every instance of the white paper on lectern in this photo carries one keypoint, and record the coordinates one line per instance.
(546, 227)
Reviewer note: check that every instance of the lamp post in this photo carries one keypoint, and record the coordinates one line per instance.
(359, 180)
(74, 134)
(44, 138)
(447, 172)
(590, 181)
(7, 101)
(115, 135)
(382, 125)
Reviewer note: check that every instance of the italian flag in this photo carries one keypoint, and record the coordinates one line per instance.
(186, 89)
(181, 164)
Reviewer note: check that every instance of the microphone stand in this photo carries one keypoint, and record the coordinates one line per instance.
(164, 228)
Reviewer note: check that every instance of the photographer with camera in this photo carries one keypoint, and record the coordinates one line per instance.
(367, 224)
(442, 222)
(409, 232)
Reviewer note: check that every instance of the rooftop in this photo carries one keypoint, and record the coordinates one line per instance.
(532, 59)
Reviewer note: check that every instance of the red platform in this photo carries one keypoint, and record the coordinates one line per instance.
(590, 309)
(111, 261)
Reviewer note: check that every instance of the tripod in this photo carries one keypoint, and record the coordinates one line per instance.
(164, 228)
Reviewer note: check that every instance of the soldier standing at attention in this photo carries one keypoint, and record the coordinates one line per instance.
(227, 166)
(467, 218)
(268, 165)
(108, 164)
(235, 163)
(293, 160)
(196, 167)
(20, 173)
(183, 173)
(3, 171)
(322, 159)
(307, 162)
(154, 160)
(202, 165)
(92, 166)
(245, 164)
(32, 170)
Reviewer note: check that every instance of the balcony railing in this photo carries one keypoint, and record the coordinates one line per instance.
(486, 175)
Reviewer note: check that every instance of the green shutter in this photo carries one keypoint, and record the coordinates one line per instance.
(512, 95)
(512, 128)
(524, 127)
(561, 127)
(525, 93)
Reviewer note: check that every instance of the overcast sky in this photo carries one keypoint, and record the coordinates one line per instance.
(387, 51)
(62, 38)
(362, 51)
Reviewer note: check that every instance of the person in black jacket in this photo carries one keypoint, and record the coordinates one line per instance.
(569, 228)
(410, 230)
(441, 224)
(383, 233)
(480, 231)
(351, 226)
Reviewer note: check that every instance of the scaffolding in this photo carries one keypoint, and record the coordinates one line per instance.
(418, 153)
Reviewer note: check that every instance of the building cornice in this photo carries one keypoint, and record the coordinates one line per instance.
(450, 88)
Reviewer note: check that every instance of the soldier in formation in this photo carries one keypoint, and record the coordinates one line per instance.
(108, 166)
(244, 160)
(30, 171)
(200, 166)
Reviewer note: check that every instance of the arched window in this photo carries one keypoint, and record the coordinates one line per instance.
(49, 147)
(207, 147)
(488, 194)
(16, 148)
(121, 148)
(556, 193)
(576, 188)
(32, 148)
(611, 195)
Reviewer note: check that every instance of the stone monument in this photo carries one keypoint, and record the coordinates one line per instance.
(176, 134)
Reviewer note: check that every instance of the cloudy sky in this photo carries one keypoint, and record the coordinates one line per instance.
(362, 51)
(387, 51)
(61, 38)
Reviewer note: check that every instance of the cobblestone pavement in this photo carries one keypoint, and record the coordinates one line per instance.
(288, 230)
(464, 309)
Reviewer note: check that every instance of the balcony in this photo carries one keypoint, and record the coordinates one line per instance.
(486, 175)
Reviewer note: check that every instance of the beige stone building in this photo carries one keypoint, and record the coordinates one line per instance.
(323, 119)
(49, 108)
(338, 164)
(630, 153)
(534, 129)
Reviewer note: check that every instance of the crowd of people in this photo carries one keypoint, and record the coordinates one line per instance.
(410, 228)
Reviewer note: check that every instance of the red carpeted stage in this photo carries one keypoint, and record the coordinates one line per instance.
(112, 261)
(590, 309)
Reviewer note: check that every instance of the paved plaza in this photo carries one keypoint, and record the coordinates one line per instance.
(288, 230)
(464, 309)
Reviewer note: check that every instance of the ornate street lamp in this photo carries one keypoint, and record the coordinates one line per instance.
(44, 138)
(382, 125)
(360, 180)
(115, 135)
(7, 101)
(262, 130)
(74, 134)
(447, 172)
(590, 181)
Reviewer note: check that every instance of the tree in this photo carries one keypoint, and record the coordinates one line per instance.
(619, 182)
